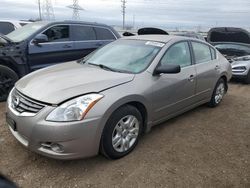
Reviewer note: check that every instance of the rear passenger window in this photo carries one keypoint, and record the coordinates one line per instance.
(6, 28)
(178, 54)
(201, 52)
(104, 34)
(83, 33)
(58, 33)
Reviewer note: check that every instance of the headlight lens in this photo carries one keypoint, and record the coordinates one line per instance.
(75, 109)
(10, 97)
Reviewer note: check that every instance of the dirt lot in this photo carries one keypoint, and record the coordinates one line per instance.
(202, 148)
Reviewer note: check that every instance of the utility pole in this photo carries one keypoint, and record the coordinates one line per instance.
(39, 8)
(76, 8)
(48, 11)
(123, 13)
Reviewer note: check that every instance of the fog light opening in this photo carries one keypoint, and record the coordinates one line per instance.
(53, 146)
(57, 148)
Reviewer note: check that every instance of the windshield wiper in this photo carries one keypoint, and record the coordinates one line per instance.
(107, 68)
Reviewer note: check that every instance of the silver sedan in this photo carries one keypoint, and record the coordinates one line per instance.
(105, 102)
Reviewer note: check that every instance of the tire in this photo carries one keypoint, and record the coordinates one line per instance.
(8, 78)
(218, 93)
(247, 80)
(115, 132)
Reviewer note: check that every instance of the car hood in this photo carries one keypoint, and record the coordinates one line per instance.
(4, 37)
(56, 84)
(228, 34)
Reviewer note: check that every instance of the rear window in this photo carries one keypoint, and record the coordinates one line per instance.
(83, 33)
(6, 27)
(104, 34)
(202, 52)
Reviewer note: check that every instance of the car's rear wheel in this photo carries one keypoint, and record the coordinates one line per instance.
(8, 78)
(218, 93)
(121, 132)
(247, 80)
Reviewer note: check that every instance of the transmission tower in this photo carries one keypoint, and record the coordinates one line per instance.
(47, 10)
(76, 10)
(123, 13)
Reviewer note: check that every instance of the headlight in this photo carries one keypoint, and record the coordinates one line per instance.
(75, 109)
(9, 100)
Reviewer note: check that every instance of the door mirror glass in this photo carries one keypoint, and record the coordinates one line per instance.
(40, 38)
(167, 69)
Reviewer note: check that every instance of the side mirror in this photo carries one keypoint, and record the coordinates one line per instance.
(40, 38)
(167, 69)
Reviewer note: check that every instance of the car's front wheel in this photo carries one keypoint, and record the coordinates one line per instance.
(8, 78)
(121, 132)
(218, 93)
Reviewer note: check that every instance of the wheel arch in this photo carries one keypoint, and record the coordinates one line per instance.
(224, 77)
(10, 65)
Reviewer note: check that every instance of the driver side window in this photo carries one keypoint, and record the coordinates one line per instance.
(178, 54)
(59, 33)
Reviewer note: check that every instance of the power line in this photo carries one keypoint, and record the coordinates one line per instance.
(123, 12)
(47, 10)
(76, 8)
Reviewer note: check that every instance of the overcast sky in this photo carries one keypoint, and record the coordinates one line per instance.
(159, 13)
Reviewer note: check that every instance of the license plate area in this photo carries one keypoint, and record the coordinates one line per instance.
(11, 122)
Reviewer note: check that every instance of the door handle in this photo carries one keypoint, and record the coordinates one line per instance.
(217, 67)
(67, 46)
(191, 78)
(99, 44)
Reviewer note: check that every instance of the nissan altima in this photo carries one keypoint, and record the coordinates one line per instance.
(105, 102)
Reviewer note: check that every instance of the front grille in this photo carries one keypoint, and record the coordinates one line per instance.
(23, 104)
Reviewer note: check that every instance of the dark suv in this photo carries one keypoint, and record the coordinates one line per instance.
(41, 44)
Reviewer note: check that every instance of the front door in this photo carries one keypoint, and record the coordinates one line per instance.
(58, 48)
(174, 92)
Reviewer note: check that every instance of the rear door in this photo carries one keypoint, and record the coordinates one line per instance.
(88, 38)
(84, 38)
(175, 92)
(58, 49)
(207, 68)
(104, 36)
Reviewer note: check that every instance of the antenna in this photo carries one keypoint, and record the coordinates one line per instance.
(123, 12)
(47, 10)
(76, 8)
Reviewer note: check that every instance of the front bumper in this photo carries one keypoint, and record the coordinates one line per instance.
(77, 139)
(239, 75)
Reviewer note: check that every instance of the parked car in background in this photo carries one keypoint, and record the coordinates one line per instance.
(241, 68)
(41, 44)
(192, 35)
(107, 100)
(7, 26)
(234, 44)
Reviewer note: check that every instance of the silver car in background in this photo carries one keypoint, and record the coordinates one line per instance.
(241, 68)
(105, 102)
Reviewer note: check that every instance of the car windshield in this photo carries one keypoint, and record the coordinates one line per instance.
(131, 56)
(24, 32)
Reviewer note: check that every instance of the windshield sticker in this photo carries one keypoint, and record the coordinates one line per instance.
(158, 44)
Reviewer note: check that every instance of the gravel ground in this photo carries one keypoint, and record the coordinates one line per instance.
(202, 148)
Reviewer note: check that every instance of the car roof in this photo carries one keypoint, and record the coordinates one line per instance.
(75, 22)
(159, 38)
